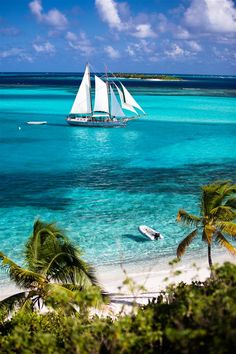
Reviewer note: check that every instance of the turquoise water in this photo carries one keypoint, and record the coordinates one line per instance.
(100, 184)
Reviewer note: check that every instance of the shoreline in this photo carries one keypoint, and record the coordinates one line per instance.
(152, 274)
(148, 279)
(147, 79)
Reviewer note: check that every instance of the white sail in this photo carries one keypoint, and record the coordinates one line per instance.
(101, 103)
(82, 102)
(116, 110)
(129, 108)
(129, 99)
(123, 104)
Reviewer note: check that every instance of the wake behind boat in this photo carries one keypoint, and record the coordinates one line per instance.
(150, 233)
(107, 111)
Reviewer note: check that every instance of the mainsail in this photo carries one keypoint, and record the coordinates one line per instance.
(82, 103)
(101, 103)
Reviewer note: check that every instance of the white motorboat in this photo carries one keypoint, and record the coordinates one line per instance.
(150, 233)
(37, 122)
(106, 110)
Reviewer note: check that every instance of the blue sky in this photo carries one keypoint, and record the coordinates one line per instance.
(163, 36)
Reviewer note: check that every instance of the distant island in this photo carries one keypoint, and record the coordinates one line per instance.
(145, 76)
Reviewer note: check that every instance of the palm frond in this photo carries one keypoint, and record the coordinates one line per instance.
(187, 218)
(13, 301)
(23, 278)
(231, 202)
(227, 227)
(223, 212)
(68, 267)
(42, 232)
(53, 288)
(215, 194)
(60, 297)
(185, 243)
(50, 253)
(222, 241)
(72, 287)
(207, 233)
(46, 241)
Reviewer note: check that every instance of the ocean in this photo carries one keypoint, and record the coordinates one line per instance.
(99, 185)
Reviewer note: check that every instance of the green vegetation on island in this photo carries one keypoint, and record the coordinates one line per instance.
(145, 76)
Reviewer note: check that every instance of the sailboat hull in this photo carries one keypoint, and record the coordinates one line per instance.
(95, 123)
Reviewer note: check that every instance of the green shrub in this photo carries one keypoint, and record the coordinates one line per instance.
(195, 318)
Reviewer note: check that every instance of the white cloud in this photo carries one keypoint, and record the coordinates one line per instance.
(17, 53)
(144, 30)
(111, 52)
(108, 11)
(130, 51)
(176, 51)
(142, 50)
(225, 55)
(36, 8)
(196, 47)
(46, 47)
(162, 23)
(71, 36)
(80, 42)
(186, 49)
(53, 17)
(211, 16)
(181, 32)
(10, 52)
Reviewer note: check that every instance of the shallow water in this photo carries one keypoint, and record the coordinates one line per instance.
(100, 184)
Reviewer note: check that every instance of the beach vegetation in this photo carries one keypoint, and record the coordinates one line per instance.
(216, 222)
(185, 318)
(54, 275)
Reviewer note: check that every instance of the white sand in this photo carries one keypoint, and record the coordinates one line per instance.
(148, 279)
(153, 276)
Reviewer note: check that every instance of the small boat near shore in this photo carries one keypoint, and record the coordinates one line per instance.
(37, 122)
(106, 109)
(150, 233)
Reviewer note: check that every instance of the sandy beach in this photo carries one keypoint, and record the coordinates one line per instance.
(148, 279)
(154, 276)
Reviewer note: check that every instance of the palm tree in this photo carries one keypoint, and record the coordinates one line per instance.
(53, 269)
(216, 220)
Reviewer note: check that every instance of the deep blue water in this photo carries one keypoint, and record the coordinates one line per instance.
(100, 184)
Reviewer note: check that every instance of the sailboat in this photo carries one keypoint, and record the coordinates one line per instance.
(107, 111)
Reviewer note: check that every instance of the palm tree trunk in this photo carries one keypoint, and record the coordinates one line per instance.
(209, 257)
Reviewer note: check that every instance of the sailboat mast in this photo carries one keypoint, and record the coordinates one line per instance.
(90, 90)
(109, 103)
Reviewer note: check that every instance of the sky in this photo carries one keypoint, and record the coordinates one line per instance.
(152, 36)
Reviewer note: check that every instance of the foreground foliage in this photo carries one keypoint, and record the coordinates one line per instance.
(54, 274)
(195, 318)
(216, 220)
